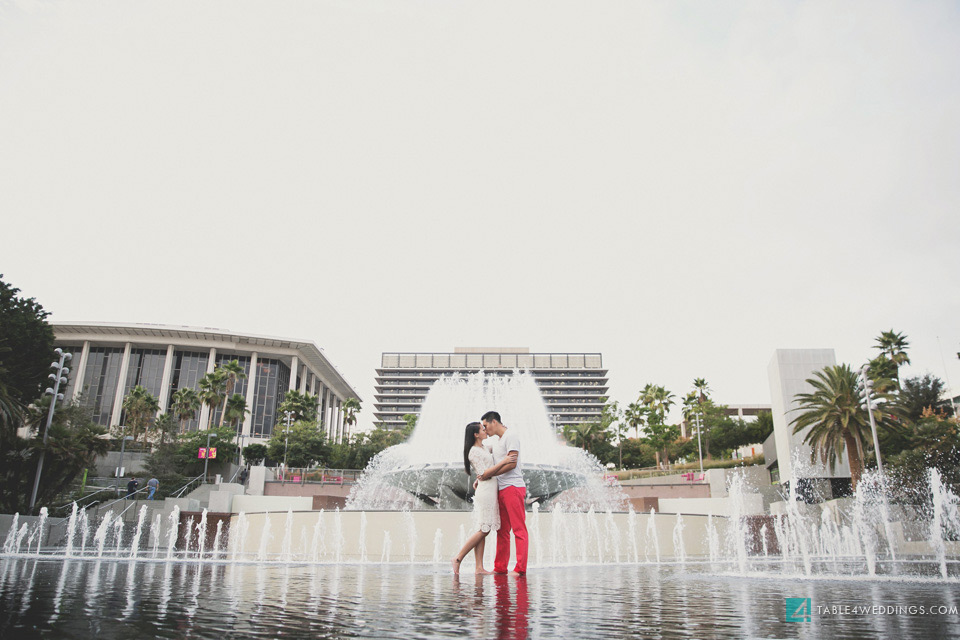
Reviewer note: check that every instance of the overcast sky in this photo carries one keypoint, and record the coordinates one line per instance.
(681, 186)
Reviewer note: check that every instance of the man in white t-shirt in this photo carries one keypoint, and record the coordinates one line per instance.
(512, 496)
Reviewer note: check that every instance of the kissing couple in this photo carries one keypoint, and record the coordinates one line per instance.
(499, 503)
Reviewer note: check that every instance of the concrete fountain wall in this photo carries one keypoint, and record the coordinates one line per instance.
(391, 536)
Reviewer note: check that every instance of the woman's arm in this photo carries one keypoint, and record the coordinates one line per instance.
(508, 462)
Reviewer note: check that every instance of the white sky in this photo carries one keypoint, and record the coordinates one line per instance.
(683, 187)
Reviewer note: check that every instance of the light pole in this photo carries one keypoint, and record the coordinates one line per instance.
(59, 377)
(867, 386)
(206, 458)
(123, 446)
(286, 440)
(699, 445)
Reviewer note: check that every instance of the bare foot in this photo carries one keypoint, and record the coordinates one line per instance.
(516, 574)
(456, 566)
(483, 572)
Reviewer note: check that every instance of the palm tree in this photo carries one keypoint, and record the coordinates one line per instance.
(232, 371)
(836, 416)
(303, 406)
(703, 389)
(236, 409)
(213, 388)
(635, 415)
(893, 346)
(185, 404)
(141, 406)
(351, 407)
(658, 400)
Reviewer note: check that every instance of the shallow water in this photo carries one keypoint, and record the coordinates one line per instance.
(117, 599)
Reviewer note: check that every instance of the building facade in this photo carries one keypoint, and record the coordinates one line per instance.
(573, 385)
(110, 359)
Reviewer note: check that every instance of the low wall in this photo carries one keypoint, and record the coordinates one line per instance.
(134, 462)
(275, 488)
(432, 536)
(667, 490)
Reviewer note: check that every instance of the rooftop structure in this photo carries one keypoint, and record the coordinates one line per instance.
(573, 385)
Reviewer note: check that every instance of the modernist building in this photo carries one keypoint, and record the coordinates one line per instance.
(788, 372)
(573, 385)
(110, 359)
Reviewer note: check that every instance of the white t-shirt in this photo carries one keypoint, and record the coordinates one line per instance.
(505, 444)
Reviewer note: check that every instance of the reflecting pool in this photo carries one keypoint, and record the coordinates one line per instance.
(51, 597)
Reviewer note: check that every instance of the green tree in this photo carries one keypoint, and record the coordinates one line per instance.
(231, 372)
(302, 405)
(141, 408)
(174, 463)
(213, 390)
(837, 418)
(761, 428)
(920, 393)
(185, 404)
(166, 426)
(411, 420)
(255, 453)
(74, 443)
(305, 444)
(26, 351)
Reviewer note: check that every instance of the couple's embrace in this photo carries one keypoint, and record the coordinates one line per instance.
(499, 503)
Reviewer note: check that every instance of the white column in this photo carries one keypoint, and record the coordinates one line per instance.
(80, 370)
(251, 394)
(339, 420)
(121, 384)
(303, 378)
(167, 377)
(328, 420)
(294, 370)
(204, 409)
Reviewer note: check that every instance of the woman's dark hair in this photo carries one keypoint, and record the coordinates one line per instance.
(469, 437)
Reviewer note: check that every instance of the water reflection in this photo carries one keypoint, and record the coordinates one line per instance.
(133, 599)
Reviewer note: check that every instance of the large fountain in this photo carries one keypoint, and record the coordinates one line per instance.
(427, 472)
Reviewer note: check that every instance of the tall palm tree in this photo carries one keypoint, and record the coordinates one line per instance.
(141, 406)
(837, 417)
(658, 400)
(635, 415)
(702, 388)
(213, 389)
(351, 407)
(236, 409)
(893, 346)
(185, 404)
(232, 371)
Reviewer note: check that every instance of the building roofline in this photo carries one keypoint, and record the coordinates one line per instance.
(314, 354)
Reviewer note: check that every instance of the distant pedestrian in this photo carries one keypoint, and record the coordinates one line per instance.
(132, 487)
(152, 485)
(243, 476)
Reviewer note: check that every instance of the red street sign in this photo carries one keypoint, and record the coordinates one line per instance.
(212, 453)
(202, 453)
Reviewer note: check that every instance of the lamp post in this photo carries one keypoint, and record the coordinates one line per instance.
(867, 386)
(286, 440)
(699, 445)
(206, 458)
(123, 446)
(59, 377)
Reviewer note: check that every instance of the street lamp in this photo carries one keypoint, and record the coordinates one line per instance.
(123, 445)
(59, 377)
(699, 445)
(867, 386)
(286, 439)
(206, 458)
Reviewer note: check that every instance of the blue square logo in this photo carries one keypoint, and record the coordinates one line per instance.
(799, 609)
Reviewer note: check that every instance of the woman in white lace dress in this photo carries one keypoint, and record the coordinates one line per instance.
(486, 511)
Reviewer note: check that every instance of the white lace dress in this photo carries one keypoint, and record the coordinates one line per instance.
(486, 511)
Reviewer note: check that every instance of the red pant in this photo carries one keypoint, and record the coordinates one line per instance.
(513, 516)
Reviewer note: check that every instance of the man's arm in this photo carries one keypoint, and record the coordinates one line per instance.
(509, 462)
